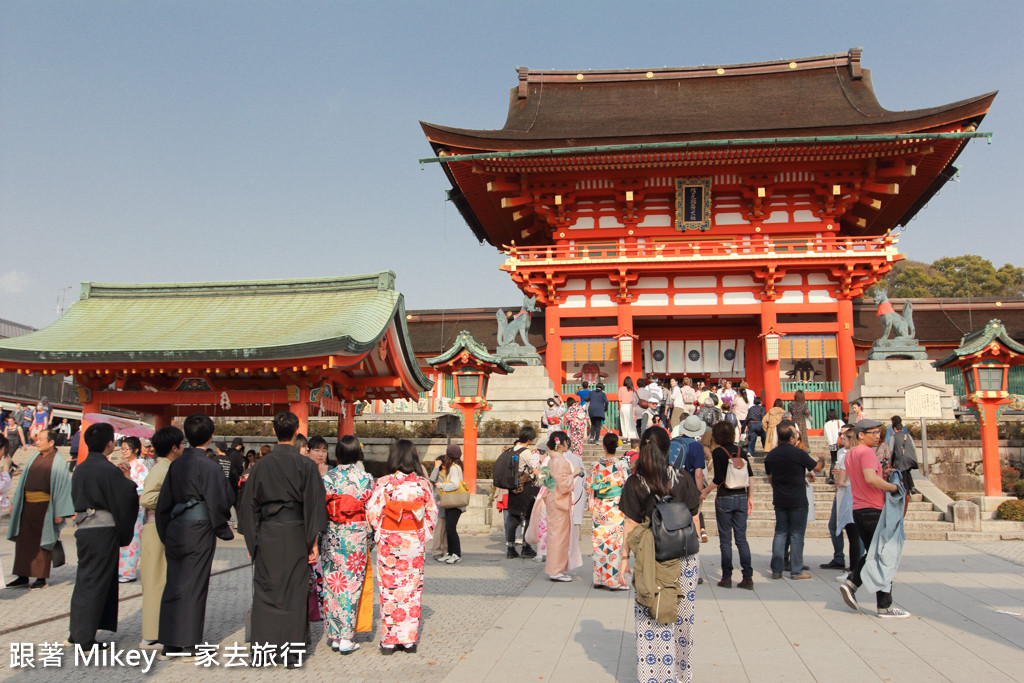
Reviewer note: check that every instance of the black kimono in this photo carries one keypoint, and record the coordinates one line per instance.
(192, 512)
(100, 485)
(283, 510)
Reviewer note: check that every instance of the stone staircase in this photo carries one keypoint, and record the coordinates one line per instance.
(924, 522)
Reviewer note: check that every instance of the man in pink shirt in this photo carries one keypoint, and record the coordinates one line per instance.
(868, 484)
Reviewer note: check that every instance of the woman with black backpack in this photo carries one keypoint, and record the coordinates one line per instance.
(664, 651)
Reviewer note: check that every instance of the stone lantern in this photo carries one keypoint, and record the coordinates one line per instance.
(985, 357)
(470, 365)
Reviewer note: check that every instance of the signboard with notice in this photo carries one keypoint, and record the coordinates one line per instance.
(923, 401)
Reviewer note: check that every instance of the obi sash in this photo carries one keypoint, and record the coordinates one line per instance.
(37, 497)
(344, 509)
(402, 516)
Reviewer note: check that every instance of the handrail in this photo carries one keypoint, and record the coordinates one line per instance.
(734, 249)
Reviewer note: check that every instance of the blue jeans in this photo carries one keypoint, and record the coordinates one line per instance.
(837, 540)
(731, 516)
(754, 430)
(790, 523)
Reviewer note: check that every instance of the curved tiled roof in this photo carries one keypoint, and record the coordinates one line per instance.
(826, 95)
(220, 321)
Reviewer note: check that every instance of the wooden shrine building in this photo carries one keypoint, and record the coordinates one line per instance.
(699, 212)
(235, 349)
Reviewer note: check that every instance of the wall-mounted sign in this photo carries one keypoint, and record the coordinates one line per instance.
(693, 203)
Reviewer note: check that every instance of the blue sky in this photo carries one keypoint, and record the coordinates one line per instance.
(194, 141)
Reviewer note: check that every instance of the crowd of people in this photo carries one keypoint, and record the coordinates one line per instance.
(311, 521)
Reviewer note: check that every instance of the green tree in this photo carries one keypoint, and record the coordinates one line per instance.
(954, 277)
(914, 279)
(969, 275)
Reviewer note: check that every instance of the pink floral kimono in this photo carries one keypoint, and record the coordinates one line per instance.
(402, 514)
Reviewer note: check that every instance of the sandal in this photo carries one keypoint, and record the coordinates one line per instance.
(703, 536)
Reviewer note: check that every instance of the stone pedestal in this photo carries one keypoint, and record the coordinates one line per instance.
(966, 516)
(989, 505)
(517, 354)
(878, 385)
(520, 395)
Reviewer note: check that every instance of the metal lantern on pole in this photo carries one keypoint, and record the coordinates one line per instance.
(470, 365)
(985, 357)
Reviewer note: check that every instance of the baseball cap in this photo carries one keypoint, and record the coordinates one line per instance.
(865, 424)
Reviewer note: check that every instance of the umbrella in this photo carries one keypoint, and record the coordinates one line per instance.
(121, 425)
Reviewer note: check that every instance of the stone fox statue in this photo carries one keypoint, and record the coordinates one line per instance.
(519, 324)
(902, 324)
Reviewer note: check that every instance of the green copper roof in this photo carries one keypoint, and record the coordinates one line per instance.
(253, 320)
(975, 341)
(466, 341)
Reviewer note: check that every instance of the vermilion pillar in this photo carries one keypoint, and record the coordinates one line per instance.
(469, 436)
(347, 421)
(301, 410)
(627, 366)
(845, 351)
(553, 356)
(91, 406)
(990, 448)
(770, 369)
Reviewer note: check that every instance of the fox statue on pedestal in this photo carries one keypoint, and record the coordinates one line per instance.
(902, 324)
(518, 325)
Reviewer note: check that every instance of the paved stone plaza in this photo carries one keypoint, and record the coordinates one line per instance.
(491, 619)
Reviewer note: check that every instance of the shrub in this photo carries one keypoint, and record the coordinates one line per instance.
(1012, 510)
(500, 429)
(382, 430)
(1018, 489)
(1010, 475)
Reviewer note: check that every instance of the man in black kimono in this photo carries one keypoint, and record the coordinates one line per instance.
(106, 507)
(283, 511)
(192, 512)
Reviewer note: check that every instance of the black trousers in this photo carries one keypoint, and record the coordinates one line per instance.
(866, 520)
(451, 522)
(94, 599)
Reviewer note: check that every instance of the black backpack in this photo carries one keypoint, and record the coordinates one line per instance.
(506, 469)
(672, 526)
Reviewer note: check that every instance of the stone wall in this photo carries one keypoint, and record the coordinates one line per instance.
(956, 465)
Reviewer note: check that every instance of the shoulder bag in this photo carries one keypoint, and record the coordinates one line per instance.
(459, 498)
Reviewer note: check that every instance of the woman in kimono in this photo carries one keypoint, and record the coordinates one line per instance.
(345, 548)
(5, 489)
(316, 450)
(537, 531)
(553, 416)
(135, 468)
(559, 479)
(576, 423)
(402, 514)
(605, 483)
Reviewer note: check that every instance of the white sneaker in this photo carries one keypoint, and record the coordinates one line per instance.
(893, 613)
(442, 558)
(452, 559)
(849, 592)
